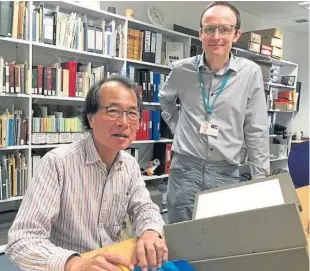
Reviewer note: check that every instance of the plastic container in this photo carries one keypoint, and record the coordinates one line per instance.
(177, 265)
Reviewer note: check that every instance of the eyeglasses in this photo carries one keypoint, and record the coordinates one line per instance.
(115, 112)
(223, 30)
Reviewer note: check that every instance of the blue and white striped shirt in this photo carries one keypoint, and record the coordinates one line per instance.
(73, 205)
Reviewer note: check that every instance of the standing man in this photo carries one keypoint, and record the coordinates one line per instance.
(79, 196)
(222, 106)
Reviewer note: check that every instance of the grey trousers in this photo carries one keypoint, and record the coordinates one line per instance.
(189, 175)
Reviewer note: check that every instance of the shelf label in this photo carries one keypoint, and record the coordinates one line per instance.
(38, 138)
(52, 138)
(65, 138)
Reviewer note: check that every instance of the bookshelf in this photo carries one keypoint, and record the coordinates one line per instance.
(35, 52)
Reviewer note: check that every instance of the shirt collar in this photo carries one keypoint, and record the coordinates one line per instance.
(231, 65)
(92, 155)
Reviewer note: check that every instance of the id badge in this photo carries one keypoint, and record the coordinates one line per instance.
(208, 128)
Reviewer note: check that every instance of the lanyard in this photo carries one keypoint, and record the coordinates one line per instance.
(208, 106)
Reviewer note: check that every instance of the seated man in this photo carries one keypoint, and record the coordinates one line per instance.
(79, 196)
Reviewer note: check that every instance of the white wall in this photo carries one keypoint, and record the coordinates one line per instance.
(301, 121)
(187, 14)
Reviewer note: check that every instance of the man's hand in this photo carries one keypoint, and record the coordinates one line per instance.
(150, 250)
(104, 261)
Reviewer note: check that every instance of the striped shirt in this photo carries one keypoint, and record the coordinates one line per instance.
(73, 205)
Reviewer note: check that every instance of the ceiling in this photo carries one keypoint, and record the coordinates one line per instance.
(281, 14)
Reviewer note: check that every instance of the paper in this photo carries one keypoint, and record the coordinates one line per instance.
(239, 199)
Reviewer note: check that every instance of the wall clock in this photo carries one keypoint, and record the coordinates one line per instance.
(156, 16)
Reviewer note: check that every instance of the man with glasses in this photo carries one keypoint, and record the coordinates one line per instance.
(222, 107)
(79, 196)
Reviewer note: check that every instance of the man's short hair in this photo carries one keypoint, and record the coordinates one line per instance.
(224, 4)
(92, 101)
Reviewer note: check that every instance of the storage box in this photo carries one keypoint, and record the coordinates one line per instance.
(271, 32)
(251, 46)
(250, 36)
(268, 238)
(266, 50)
(283, 104)
(272, 42)
(286, 95)
(250, 41)
(277, 52)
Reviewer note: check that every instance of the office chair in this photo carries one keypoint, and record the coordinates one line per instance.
(298, 163)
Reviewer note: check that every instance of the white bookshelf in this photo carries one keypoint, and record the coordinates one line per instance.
(32, 52)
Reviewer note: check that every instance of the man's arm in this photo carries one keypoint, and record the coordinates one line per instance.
(167, 98)
(29, 245)
(256, 127)
(145, 213)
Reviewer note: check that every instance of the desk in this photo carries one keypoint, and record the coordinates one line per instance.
(126, 248)
(303, 195)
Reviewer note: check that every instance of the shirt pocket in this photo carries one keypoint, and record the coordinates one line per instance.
(118, 210)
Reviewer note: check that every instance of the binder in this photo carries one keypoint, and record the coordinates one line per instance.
(146, 52)
(153, 47)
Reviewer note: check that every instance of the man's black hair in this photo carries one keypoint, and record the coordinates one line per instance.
(92, 101)
(225, 4)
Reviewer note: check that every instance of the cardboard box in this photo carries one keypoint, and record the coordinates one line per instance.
(286, 94)
(277, 52)
(250, 36)
(272, 42)
(266, 50)
(268, 238)
(283, 104)
(271, 32)
(251, 46)
(250, 41)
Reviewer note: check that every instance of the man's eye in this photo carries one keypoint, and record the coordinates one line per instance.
(133, 113)
(113, 111)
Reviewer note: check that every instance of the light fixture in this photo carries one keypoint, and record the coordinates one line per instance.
(305, 3)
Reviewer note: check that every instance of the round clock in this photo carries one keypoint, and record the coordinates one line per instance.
(156, 16)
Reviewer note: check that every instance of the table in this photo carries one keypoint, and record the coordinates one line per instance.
(126, 248)
(303, 195)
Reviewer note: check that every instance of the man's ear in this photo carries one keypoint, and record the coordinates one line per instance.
(200, 33)
(237, 35)
(90, 120)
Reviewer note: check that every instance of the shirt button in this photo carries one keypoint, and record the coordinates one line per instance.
(212, 94)
(203, 69)
(211, 149)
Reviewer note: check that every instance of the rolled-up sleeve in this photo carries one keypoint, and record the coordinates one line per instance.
(146, 214)
(167, 98)
(29, 246)
(256, 127)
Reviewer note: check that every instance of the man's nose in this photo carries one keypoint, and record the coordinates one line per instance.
(216, 34)
(123, 119)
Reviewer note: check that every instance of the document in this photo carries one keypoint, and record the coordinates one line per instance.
(239, 199)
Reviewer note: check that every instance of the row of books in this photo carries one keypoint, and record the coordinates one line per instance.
(149, 82)
(146, 45)
(72, 31)
(69, 79)
(14, 19)
(13, 128)
(14, 175)
(73, 79)
(14, 77)
(52, 124)
(149, 128)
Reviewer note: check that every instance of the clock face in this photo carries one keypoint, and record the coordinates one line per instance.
(155, 15)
